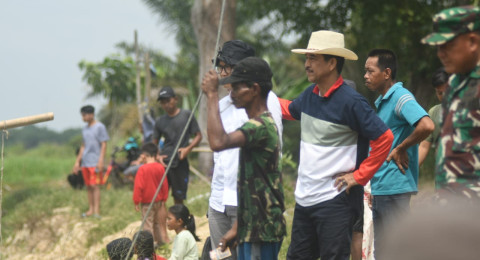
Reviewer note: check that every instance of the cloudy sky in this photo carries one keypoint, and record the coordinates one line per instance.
(41, 43)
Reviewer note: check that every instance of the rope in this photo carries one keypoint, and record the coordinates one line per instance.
(200, 95)
(4, 133)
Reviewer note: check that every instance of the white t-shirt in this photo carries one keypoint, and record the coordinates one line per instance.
(224, 181)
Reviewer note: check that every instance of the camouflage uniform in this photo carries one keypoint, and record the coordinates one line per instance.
(260, 191)
(458, 153)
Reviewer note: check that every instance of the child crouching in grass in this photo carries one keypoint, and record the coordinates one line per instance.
(184, 245)
(147, 179)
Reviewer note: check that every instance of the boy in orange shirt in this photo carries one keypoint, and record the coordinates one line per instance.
(147, 179)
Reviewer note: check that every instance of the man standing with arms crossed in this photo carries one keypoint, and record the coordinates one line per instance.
(337, 126)
(456, 34)
(397, 179)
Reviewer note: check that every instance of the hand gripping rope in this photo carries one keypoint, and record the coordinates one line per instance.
(200, 95)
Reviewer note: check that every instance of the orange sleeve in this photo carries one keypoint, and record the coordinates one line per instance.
(378, 154)
(284, 103)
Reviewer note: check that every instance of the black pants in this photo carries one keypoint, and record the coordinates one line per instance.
(323, 230)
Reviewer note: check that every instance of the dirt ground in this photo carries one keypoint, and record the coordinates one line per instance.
(64, 236)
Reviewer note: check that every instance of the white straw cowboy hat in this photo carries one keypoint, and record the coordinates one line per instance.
(327, 42)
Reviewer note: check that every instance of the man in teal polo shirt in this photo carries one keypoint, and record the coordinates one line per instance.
(397, 178)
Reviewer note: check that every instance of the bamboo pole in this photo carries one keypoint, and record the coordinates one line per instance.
(148, 78)
(137, 80)
(28, 120)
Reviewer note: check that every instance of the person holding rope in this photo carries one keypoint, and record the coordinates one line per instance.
(456, 33)
(170, 126)
(222, 211)
(260, 226)
(337, 126)
(90, 158)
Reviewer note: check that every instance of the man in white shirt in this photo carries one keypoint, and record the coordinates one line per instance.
(222, 212)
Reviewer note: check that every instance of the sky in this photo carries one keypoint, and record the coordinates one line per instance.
(42, 42)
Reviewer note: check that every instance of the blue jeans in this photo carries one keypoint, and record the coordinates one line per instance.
(259, 251)
(385, 210)
(323, 230)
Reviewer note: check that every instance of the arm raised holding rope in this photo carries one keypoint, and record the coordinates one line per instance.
(217, 137)
(259, 177)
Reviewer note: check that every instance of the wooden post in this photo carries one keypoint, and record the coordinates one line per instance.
(148, 78)
(137, 81)
(17, 122)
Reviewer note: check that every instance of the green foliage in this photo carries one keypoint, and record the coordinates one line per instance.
(34, 166)
(31, 136)
(113, 78)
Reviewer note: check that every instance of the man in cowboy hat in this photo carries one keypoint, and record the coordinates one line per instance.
(397, 178)
(457, 37)
(337, 126)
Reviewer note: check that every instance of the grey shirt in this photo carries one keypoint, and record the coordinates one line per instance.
(171, 128)
(93, 136)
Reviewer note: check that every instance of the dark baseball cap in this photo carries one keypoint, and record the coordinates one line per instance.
(250, 69)
(166, 92)
(233, 52)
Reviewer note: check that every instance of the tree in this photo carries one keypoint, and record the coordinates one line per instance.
(111, 78)
(368, 24)
(203, 22)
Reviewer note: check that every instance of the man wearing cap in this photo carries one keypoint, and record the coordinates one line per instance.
(171, 126)
(260, 226)
(397, 179)
(456, 33)
(337, 128)
(222, 212)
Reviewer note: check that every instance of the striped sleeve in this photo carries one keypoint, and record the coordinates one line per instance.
(409, 109)
(401, 102)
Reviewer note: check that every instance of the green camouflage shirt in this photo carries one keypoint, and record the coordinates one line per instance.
(458, 153)
(260, 191)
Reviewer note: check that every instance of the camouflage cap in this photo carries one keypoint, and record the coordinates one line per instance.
(452, 22)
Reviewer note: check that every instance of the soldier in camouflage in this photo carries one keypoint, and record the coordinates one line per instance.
(260, 225)
(456, 33)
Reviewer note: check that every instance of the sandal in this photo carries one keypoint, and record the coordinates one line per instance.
(84, 215)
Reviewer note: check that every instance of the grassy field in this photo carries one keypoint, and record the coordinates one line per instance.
(35, 184)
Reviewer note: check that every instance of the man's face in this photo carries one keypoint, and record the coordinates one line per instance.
(87, 117)
(224, 70)
(440, 91)
(241, 94)
(169, 104)
(460, 54)
(374, 76)
(317, 68)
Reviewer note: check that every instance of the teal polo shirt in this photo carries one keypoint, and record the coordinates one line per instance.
(400, 112)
